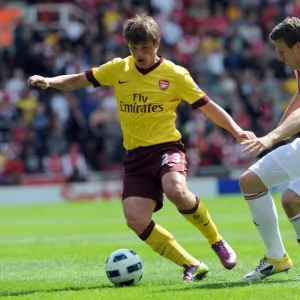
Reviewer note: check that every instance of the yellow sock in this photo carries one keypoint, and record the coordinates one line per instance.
(163, 243)
(201, 219)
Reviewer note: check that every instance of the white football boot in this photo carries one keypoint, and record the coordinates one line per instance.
(268, 267)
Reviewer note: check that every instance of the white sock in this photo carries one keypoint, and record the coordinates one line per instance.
(265, 217)
(295, 221)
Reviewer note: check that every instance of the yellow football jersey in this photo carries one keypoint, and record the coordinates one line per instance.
(147, 99)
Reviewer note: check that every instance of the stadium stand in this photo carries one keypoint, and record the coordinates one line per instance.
(63, 135)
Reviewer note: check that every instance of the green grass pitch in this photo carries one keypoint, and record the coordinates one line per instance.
(59, 251)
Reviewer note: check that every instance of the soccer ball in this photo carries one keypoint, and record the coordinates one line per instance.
(124, 267)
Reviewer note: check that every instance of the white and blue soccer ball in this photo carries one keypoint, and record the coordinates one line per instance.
(124, 267)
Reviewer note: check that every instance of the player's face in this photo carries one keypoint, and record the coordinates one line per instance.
(291, 56)
(144, 54)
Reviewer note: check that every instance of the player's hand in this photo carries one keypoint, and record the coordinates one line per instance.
(257, 146)
(245, 136)
(39, 81)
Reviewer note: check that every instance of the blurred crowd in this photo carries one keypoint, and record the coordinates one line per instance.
(224, 45)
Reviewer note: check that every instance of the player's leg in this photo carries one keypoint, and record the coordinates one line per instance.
(194, 211)
(291, 203)
(138, 213)
(254, 184)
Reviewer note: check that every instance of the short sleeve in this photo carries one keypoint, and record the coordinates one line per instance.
(105, 74)
(189, 91)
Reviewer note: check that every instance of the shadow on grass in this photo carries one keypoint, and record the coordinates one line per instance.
(224, 285)
(63, 289)
(184, 287)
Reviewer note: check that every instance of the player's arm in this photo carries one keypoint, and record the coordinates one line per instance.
(294, 104)
(63, 82)
(189, 90)
(220, 117)
(289, 127)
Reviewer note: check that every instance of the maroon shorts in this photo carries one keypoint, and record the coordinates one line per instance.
(144, 168)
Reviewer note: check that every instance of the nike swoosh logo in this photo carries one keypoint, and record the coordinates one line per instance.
(267, 271)
(120, 82)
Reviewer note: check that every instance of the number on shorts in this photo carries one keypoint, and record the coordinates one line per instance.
(173, 158)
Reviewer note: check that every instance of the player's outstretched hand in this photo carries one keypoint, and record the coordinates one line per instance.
(257, 146)
(40, 81)
(245, 136)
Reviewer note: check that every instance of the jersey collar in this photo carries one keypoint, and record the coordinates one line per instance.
(144, 72)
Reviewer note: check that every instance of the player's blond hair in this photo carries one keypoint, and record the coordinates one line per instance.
(140, 29)
(287, 31)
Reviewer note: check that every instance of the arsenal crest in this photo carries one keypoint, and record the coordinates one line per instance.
(163, 84)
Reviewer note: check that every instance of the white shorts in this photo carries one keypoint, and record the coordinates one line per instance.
(280, 166)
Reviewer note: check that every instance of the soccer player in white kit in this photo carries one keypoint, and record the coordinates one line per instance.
(279, 166)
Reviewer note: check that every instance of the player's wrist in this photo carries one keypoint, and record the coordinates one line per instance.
(237, 132)
(274, 137)
(49, 81)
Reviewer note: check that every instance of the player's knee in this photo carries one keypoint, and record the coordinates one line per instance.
(250, 183)
(245, 181)
(175, 191)
(289, 198)
(137, 223)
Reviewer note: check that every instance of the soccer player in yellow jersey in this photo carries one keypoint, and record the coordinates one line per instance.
(148, 89)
